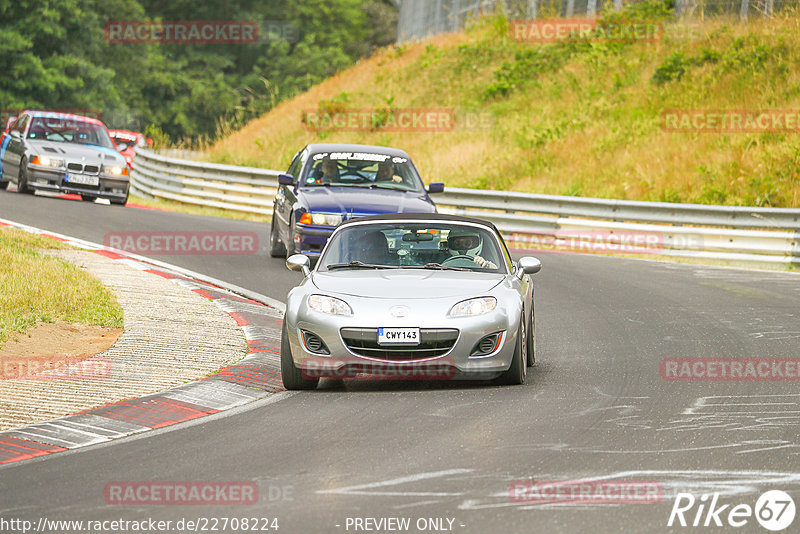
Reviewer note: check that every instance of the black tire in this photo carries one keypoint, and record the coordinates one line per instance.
(88, 198)
(276, 247)
(290, 374)
(22, 180)
(532, 341)
(518, 370)
(3, 186)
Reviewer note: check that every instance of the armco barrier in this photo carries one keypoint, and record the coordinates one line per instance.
(733, 234)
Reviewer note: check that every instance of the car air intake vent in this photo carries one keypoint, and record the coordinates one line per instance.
(75, 166)
(314, 343)
(50, 149)
(487, 345)
(91, 168)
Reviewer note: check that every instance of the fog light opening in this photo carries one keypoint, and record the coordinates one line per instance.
(487, 345)
(313, 343)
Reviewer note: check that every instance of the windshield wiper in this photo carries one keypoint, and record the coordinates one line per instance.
(358, 265)
(440, 267)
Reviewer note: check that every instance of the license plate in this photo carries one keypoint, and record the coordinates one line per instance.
(82, 179)
(398, 336)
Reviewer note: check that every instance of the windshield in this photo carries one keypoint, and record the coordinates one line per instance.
(360, 169)
(413, 245)
(62, 130)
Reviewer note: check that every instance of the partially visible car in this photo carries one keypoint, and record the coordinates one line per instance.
(63, 153)
(127, 142)
(327, 184)
(426, 296)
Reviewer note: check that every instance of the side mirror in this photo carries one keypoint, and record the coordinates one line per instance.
(15, 134)
(436, 187)
(299, 262)
(529, 265)
(285, 179)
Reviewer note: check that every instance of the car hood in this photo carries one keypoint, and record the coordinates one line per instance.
(362, 201)
(406, 283)
(74, 151)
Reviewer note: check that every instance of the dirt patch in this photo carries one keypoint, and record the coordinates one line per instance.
(52, 345)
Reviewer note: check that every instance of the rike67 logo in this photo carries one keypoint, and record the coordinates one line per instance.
(774, 510)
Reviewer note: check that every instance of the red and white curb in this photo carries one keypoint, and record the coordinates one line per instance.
(254, 377)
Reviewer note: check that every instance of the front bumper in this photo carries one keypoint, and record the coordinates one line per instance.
(311, 239)
(53, 180)
(457, 363)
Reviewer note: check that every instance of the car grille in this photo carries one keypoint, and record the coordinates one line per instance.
(434, 342)
(79, 167)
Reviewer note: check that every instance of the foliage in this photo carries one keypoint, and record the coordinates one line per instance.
(54, 54)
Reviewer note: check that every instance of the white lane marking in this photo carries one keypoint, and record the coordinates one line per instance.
(360, 488)
(413, 504)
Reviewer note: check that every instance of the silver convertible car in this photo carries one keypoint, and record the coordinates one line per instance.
(410, 296)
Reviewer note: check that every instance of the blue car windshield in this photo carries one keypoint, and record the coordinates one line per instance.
(359, 169)
(440, 245)
(64, 130)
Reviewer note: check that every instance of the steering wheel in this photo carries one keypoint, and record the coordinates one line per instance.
(459, 257)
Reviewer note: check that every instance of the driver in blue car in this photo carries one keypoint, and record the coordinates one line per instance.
(326, 173)
(386, 173)
(469, 244)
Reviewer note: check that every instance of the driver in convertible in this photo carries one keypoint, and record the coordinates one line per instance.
(468, 243)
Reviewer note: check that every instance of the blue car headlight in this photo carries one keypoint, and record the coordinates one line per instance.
(329, 305)
(473, 307)
(321, 219)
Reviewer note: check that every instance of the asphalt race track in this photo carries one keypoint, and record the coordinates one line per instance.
(595, 408)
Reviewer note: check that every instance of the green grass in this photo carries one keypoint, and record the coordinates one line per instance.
(37, 288)
(572, 118)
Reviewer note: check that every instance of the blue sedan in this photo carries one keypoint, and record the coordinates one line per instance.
(327, 184)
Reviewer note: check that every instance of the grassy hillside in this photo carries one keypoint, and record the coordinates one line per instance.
(572, 118)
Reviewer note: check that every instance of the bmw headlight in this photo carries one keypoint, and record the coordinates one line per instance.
(321, 219)
(473, 307)
(329, 305)
(115, 170)
(44, 161)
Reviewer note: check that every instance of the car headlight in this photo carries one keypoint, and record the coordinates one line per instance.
(329, 305)
(115, 170)
(321, 219)
(44, 161)
(473, 307)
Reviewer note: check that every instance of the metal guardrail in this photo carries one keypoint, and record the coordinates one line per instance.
(733, 234)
